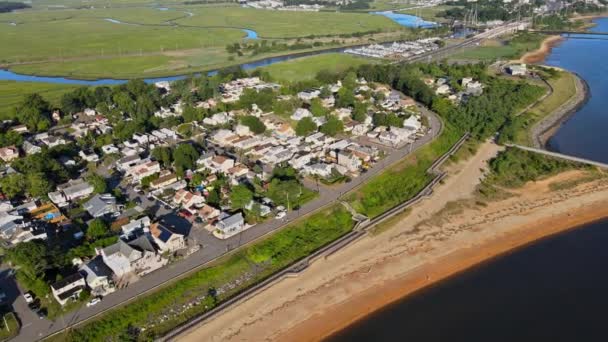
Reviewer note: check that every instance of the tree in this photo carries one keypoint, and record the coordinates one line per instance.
(305, 127)
(360, 111)
(346, 97)
(191, 114)
(38, 185)
(163, 155)
(240, 196)
(99, 183)
(13, 185)
(214, 197)
(333, 126)
(34, 112)
(97, 229)
(184, 157)
(29, 257)
(316, 107)
(255, 125)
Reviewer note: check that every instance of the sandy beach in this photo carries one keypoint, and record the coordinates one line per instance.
(441, 236)
(543, 51)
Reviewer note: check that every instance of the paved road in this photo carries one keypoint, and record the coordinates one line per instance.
(212, 247)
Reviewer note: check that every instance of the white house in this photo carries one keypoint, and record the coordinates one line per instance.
(349, 161)
(300, 114)
(98, 276)
(231, 224)
(318, 169)
(141, 224)
(68, 288)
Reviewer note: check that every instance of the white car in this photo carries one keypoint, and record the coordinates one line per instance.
(94, 301)
(280, 215)
(28, 297)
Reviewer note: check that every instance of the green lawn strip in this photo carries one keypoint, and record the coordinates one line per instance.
(162, 310)
(307, 67)
(9, 326)
(403, 180)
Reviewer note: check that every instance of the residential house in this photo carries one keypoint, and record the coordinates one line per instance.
(443, 89)
(124, 164)
(134, 226)
(89, 156)
(165, 179)
(21, 129)
(413, 123)
(166, 240)
(109, 149)
(137, 256)
(518, 69)
(208, 213)
(187, 199)
(300, 114)
(30, 148)
(319, 169)
(100, 205)
(71, 191)
(98, 276)
(217, 119)
(68, 288)
(284, 131)
(308, 95)
(144, 169)
(231, 224)
(9, 153)
(221, 164)
(351, 162)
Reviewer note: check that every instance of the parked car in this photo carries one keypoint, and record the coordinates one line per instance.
(93, 301)
(28, 297)
(280, 215)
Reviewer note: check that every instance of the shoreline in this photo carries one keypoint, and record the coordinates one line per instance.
(543, 50)
(443, 269)
(376, 271)
(543, 130)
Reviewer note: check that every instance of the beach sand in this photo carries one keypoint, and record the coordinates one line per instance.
(441, 236)
(542, 52)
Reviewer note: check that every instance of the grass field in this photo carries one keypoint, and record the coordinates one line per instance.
(307, 67)
(429, 13)
(12, 92)
(288, 24)
(151, 42)
(501, 49)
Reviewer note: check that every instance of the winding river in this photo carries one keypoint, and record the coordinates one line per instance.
(7, 75)
(553, 290)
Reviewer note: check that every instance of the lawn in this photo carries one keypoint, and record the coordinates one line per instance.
(11, 92)
(9, 326)
(166, 308)
(403, 180)
(307, 67)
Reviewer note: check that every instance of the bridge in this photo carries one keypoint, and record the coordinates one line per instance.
(560, 156)
(578, 35)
